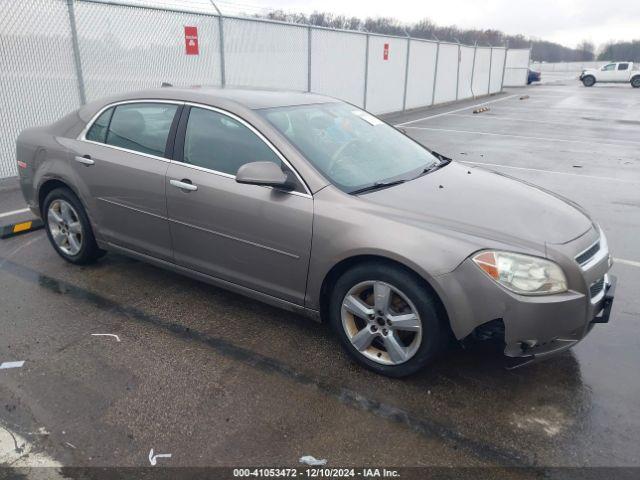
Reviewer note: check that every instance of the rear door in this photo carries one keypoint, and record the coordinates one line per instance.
(121, 162)
(622, 72)
(250, 235)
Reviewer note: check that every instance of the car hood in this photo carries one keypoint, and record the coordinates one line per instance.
(484, 204)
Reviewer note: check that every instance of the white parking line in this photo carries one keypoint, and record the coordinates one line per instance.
(630, 263)
(515, 119)
(7, 365)
(14, 212)
(624, 143)
(624, 180)
(454, 111)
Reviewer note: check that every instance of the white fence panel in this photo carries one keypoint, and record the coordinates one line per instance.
(516, 68)
(338, 62)
(131, 48)
(385, 85)
(38, 82)
(497, 67)
(265, 55)
(422, 66)
(481, 72)
(465, 73)
(447, 73)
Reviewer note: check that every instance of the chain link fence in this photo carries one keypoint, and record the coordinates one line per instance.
(56, 55)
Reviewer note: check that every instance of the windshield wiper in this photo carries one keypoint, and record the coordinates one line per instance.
(376, 186)
(431, 168)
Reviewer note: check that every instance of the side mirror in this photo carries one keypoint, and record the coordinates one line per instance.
(264, 173)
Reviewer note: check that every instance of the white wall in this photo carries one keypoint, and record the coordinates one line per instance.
(565, 66)
(481, 71)
(517, 67)
(338, 62)
(385, 83)
(265, 55)
(125, 47)
(446, 78)
(466, 72)
(497, 65)
(422, 61)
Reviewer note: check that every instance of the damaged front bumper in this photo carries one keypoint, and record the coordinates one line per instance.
(532, 327)
(525, 353)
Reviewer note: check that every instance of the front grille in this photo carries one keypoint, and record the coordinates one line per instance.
(596, 287)
(588, 254)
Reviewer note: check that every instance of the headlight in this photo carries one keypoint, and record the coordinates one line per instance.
(522, 274)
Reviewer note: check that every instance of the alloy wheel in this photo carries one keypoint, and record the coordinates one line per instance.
(65, 227)
(381, 322)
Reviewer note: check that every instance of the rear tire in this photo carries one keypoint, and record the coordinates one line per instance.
(635, 81)
(589, 81)
(396, 341)
(68, 227)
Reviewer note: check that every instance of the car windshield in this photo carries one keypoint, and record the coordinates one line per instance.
(352, 148)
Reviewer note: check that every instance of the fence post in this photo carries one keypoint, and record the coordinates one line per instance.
(504, 64)
(490, 64)
(406, 74)
(309, 59)
(473, 68)
(76, 52)
(223, 75)
(529, 63)
(366, 72)
(435, 75)
(458, 72)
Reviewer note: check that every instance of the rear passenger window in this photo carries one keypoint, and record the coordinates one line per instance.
(218, 142)
(623, 66)
(142, 127)
(98, 131)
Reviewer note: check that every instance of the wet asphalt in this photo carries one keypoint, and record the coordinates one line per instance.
(216, 379)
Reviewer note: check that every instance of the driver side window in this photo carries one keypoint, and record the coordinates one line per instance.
(611, 66)
(220, 143)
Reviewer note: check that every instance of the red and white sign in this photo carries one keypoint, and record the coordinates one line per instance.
(385, 52)
(191, 40)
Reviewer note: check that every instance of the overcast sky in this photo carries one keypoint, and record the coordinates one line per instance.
(563, 21)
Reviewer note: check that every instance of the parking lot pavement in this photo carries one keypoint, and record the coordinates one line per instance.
(12, 206)
(216, 379)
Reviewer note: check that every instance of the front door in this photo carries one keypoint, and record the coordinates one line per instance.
(607, 73)
(121, 164)
(253, 236)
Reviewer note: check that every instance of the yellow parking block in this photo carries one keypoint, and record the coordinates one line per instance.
(21, 227)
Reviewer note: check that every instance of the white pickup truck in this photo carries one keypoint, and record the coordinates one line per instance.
(617, 72)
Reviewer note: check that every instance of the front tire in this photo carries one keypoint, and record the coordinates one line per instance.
(589, 81)
(387, 318)
(635, 81)
(68, 227)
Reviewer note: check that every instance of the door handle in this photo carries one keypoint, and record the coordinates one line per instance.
(85, 159)
(184, 184)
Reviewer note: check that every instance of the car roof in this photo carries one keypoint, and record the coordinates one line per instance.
(235, 100)
(244, 97)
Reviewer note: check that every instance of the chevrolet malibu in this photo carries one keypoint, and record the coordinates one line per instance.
(318, 207)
